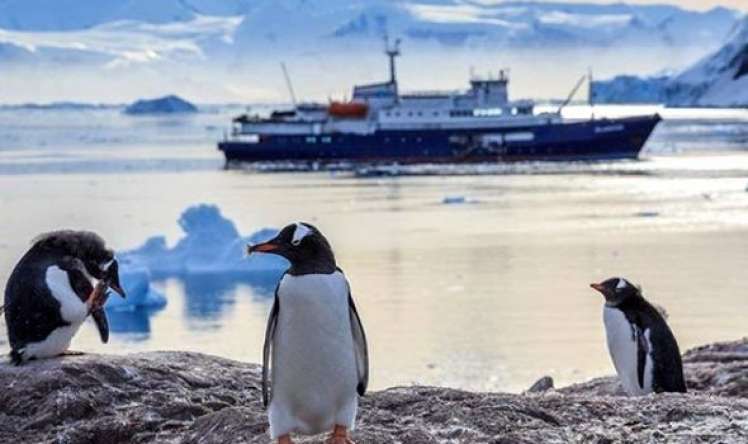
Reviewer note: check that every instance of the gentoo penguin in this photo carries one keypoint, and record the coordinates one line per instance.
(315, 340)
(641, 345)
(62, 279)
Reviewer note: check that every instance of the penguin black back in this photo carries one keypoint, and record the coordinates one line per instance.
(667, 369)
(667, 366)
(31, 310)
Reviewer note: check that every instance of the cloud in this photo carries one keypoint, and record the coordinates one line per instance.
(466, 13)
(127, 42)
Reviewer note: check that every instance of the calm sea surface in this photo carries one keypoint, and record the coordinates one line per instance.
(489, 293)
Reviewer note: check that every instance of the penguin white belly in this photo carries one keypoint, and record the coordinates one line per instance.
(623, 348)
(314, 374)
(72, 310)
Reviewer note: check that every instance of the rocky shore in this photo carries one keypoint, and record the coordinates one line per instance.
(180, 397)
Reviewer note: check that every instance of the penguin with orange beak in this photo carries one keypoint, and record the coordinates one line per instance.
(642, 346)
(315, 358)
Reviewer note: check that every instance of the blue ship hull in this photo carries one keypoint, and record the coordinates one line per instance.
(587, 140)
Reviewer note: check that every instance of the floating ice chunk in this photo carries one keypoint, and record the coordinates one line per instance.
(457, 200)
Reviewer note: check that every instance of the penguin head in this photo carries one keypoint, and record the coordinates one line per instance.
(88, 248)
(616, 290)
(302, 244)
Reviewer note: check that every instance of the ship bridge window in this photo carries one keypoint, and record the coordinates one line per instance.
(311, 139)
(461, 113)
(326, 139)
(251, 138)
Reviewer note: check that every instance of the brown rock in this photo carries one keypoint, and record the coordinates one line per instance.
(180, 397)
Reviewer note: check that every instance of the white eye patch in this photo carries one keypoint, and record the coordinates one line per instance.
(105, 265)
(300, 233)
(621, 284)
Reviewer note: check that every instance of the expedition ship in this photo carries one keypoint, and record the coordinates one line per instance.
(379, 125)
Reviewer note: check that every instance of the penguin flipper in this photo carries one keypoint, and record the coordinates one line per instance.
(267, 349)
(102, 324)
(642, 351)
(360, 347)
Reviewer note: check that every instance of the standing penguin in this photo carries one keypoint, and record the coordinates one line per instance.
(641, 345)
(315, 339)
(63, 278)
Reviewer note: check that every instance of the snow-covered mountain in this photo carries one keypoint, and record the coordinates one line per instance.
(720, 79)
(451, 22)
(145, 42)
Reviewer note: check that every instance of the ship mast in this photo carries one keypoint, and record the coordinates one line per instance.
(392, 52)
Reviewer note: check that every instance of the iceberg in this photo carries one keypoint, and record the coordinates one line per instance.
(162, 105)
(211, 244)
(136, 281)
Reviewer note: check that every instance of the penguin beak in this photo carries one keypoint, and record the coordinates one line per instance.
(118, 289)
(265, 247)
(599, 287)
(113, 277)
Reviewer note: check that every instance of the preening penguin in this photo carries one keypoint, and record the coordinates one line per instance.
(641, 345)
(63, 278)
(314, 339)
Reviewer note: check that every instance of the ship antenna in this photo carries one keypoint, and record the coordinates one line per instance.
(571, 94)
(392, 52)
(591, 92)
(289, 84)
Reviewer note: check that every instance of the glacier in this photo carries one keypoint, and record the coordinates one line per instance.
(718, 80)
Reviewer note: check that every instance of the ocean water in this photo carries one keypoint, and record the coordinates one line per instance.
(469, 277)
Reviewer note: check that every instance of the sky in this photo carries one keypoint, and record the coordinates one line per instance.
(690, 4)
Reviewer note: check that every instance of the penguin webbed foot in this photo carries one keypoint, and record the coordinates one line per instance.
(339, 436)
(285, 439)
(16, 357)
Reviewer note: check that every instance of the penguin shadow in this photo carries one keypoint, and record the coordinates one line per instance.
(210, 296)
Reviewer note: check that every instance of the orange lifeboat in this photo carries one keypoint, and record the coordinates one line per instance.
(348, 110)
